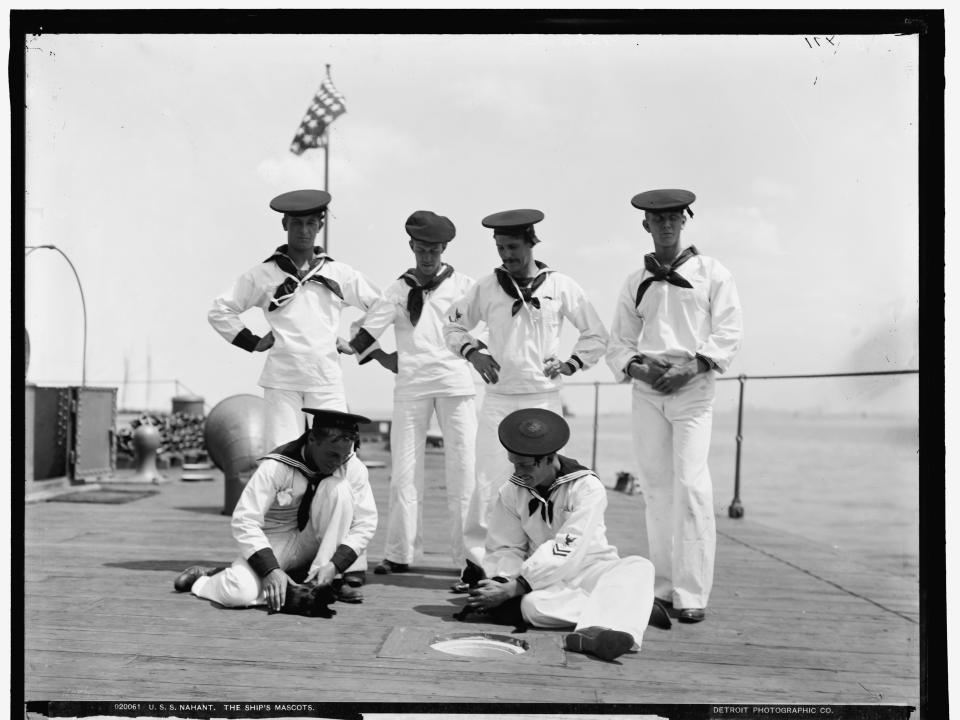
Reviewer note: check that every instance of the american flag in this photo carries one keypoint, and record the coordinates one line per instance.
(327, 106)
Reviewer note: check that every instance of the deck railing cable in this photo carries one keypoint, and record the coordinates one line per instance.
(735, 509)
(736, 505)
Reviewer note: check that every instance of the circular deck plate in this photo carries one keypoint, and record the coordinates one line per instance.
(479, 645)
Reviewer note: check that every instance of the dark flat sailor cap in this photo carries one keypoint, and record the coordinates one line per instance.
(663, 200)
(335, 419)
(429, 227)
(533, 432)
(301, 202)
(512, 221)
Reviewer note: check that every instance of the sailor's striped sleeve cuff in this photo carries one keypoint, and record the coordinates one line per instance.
(343, 558)
(263, 561)
(468, 348)
(246, 340)
(575, 363)
(626, 368)
(711, 365)
(522, 582)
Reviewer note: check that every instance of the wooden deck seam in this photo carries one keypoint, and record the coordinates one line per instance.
(818, 577)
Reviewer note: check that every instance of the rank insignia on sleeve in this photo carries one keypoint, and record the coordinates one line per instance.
(564, 546)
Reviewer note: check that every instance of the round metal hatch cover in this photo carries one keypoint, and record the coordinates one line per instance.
(479, 645)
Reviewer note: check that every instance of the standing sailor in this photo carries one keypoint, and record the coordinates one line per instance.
(301, 291)
(547, 550)
(677, 324)
(523, 303)
(430, 380)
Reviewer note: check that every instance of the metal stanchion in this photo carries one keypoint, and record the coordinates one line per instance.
(736, 507)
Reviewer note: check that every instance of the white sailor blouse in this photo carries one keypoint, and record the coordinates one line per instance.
(542, 539)
(524, 324)
(425, 366)
(302, 307)
(271, 504)
(686, 310)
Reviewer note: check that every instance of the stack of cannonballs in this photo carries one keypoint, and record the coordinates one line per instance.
(181, 437)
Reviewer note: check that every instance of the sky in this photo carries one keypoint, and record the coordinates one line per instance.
(151, 161)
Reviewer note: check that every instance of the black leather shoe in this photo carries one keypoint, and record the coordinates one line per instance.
(349, 594)
(659, 617)
(188, 577)
(601, 642)
(355, 578)
(692, 615)
(387, 567)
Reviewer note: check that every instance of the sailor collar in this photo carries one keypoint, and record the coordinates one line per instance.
(570, 471)
(292, 454)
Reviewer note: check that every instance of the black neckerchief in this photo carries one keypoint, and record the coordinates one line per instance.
(293, 454)
(295, 278)
(570, 470)
(417, 291)
(522, 295)
(659, 272)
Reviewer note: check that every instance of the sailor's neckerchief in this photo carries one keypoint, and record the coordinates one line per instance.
(293, 455)
(295, 278)
(522, 295)
(417, 291)
(660, 272)
(570, 470)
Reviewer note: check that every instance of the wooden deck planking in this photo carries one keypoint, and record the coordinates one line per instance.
(790, 621)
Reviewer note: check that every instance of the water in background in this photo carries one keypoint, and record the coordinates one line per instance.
(850, 481)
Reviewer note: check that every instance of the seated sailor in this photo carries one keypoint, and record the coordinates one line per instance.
(307, 514)
(547, 552)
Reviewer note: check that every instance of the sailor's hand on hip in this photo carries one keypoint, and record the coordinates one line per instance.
(275, 588)
(486, 366)
(389, 361)
(553, 367)
(265, 343)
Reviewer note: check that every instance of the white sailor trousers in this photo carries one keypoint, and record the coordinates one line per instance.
(493, 467)
(457, 417)
(615, 594)
(285, 420)
(671, 437)
(331, 513)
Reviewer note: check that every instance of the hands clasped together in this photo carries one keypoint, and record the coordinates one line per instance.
(663, 376)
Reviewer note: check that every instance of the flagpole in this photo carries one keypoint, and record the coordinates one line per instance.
(326, 176)
(326, 186)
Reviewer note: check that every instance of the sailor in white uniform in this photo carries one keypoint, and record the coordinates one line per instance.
(301, 291)
(677, 324)
(547, 547)
(430, 380)
(524, 304)
(306, 516)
